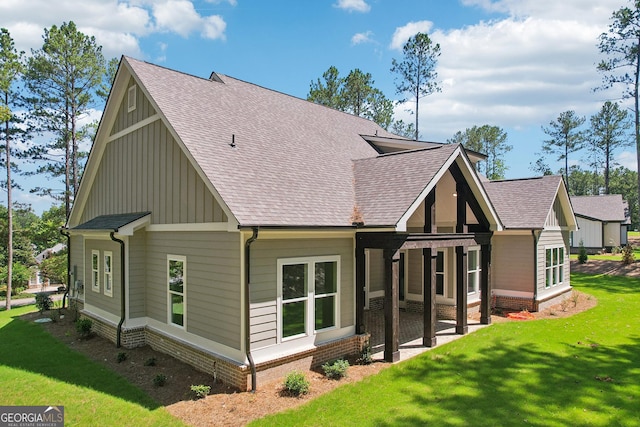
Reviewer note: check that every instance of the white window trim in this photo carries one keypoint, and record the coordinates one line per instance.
(559, 266)
(310, 298)
(477, 270)
(95, 278)
(108, 275)
(131, 98)
(183, 259)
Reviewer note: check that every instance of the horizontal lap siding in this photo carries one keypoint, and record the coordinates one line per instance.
(110, 304)
(137, 274)
(264, 284)
(146, 170)
(376, 270)
(414, 271)
(213, 307)
(77, 262)
(512, 266)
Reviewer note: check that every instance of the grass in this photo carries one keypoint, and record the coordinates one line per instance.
(21, 295)
(582, 370)
(36, 369)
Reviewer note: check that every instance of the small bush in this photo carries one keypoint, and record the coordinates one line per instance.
(336, 370)
(159, 380)
(43, 302)
(366, 356)
(582, 253)
(296, 383)
(200, 390)
(121, 357)
(628, 256)
(83, 326)
(150, 362)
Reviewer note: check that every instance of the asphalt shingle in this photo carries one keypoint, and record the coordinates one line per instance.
(608, 207)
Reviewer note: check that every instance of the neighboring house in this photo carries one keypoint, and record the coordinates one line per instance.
(602, 222)
(246, 231)
(36, 278)
(537, 220)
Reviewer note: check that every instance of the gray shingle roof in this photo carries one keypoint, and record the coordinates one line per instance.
(387, 185)
(524, 203)
(110, 222)
(608, 207)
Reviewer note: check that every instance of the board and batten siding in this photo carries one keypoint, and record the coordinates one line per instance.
(110, 304)
(137, 246)
(264, 283)
(550, 239)
(589, 232)
(77, 265)
(146, 170)
(512, 266)
(126, 118)
(213, 306)
(611, 234)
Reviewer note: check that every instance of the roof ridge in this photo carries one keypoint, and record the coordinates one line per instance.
(166, 68)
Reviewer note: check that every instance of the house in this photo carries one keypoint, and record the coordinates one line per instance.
(36, 279)
(246, 231)
(537, 221)
(602, 222)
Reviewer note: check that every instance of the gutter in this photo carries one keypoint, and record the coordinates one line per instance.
(66, 292)
(247, 306)
(122, 288)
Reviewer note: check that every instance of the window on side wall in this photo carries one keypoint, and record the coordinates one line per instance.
(177, 286)
(554, 266)
(308, 293)
(95, 270)
(473, 270)
(108, 273)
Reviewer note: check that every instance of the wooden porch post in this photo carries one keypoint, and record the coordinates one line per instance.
(429, 295)
(391, 307)
(485, 284)
(461, 290)
(360, 284)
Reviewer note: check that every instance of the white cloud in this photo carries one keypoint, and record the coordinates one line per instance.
(353, 5)
(360, 38)
(628, 160)
(402, 34)
(231, 2)
(179, 16)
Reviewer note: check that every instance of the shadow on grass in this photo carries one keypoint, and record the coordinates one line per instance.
(513, 386)
(27, 346)
(609, 283)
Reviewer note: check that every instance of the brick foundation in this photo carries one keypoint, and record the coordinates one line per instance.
(223, 369)
(376, 303)
(443, 311)
(529, 304)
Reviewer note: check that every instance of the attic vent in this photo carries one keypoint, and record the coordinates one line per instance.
(131, 98)
(215, 78)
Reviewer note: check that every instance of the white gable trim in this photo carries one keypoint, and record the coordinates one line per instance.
(463, 162)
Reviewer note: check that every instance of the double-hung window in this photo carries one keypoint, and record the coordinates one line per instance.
(554, 266)
(95, 270)
(177, 286)
(308, 290)
(473, 270)
(108, 273)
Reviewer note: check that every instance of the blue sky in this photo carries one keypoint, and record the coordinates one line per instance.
(516, 64)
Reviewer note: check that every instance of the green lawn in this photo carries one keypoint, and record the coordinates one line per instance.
(36, 369)
(579, 371)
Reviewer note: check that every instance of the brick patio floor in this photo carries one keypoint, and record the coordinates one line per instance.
(411, 327)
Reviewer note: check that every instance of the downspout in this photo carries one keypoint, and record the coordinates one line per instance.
(535, 266)
(122, 288)
(247, 306)
(66, 292)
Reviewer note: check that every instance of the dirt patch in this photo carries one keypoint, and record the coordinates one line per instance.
(226, 406)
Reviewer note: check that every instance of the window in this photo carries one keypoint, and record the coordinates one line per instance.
(554, 266)
(440, 273)
(177, 282)
(108, 273)
(131, 98)
(95, 272)
(308, 289)
(473, 271)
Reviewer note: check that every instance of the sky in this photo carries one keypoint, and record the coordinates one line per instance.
(515, 64)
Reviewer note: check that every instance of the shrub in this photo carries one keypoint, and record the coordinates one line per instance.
(628, 256)
(366, 356)
(336, 370)
(200, 390)
(43, 301)
(296, 383)
(582, 253)
(83, 326)
(121, 357)
(159, 380)
(150, 362)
